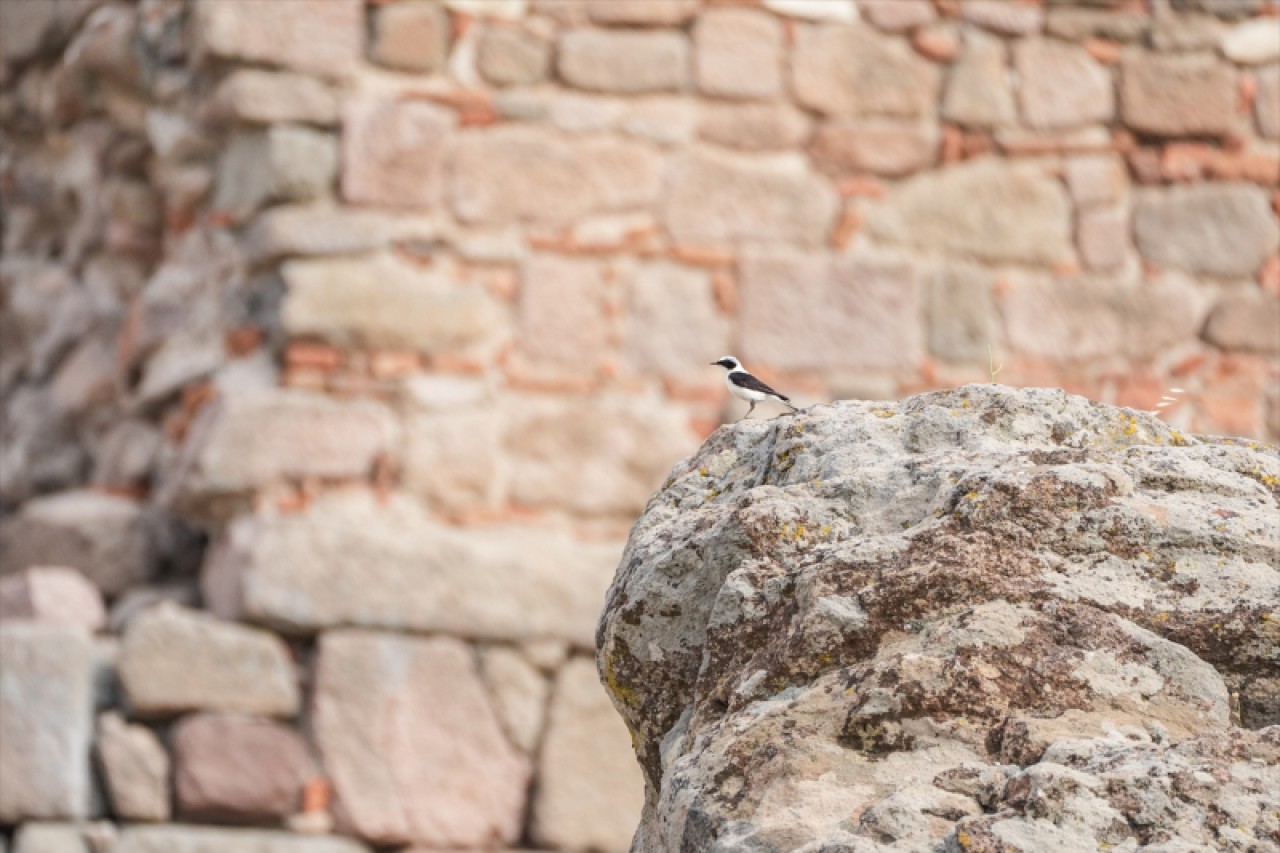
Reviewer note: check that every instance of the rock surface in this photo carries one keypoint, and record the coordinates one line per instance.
(979, 619)
(135, 769)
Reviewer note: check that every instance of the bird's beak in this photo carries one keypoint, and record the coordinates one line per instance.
(714, 363)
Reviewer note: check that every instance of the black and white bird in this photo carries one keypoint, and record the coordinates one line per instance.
(744, 386)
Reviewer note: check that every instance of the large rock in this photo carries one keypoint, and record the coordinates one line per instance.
(316, 36)
(1211, 229)
(46, 722)
(200, 839)
(589, 787)
(411, 36)
(428, 761)
(267, 97)
(280, 163)
(52, 594)
(1178, 94)
(135, 769)
(978, 92)
(383, 301)
(878, 147)
(349, 559)
(839, 68)
(1060, 85)
(715, 196)
(628, 62)
(987, 209)
(934, 624)
(530, 174)
(175, 660)
(393, 151)
(106, 538)
(738, 53)
(232, 768)
(1247, 321)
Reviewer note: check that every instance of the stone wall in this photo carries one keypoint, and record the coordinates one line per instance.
(342, 341)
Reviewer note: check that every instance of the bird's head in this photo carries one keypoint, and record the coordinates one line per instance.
(728, 363)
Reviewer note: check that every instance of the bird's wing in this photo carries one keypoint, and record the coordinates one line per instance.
(746, 380)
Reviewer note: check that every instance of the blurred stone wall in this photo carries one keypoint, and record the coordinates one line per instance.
(342, 341)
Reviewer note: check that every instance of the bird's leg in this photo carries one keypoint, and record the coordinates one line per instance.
(750, 409)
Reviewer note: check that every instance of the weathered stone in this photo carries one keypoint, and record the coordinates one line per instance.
(991, 210)
(269, 97)
(1175, 31)
(1102, 236)
(451, 459)
(200, 839)
(1254, 42)
(127, 453)
(672, 320)
(53, 595)
(1092, 318)
(293, 571)
(738, 53)
(105, 537)
(1247, 321)
(512, 56)
(1078, 24)
(46, 722)
(175, 660)
(628, 62)
(1213, 229)
(1001, 16)
(880, 147)
(327, 229)
(843, 11)
(256, 439)
(1061, 85)
(519, 694)
(526, 174)
(410, 36)
(384, 301)
(237, 769)
(429, 764)
(77, 837)
(590, 790)
(898, 15)
(1178, 95)
(281, 163)
(1096, 179)
(643, 12)
(811, 585)
(315, 36)
(814, 311)
(753, 127)
(393, 152)
(1268, 102)
(714, 196)
(961, 313)
(597, 457)
(978, 91)
(135, 769)
(562, 318)
(851, 69)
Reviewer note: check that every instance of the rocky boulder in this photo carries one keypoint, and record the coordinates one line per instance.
(978, 619)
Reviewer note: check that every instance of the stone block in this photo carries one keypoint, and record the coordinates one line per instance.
(895, 16)
(562, 318)
(323, 37)
(384, 302)
(672, 320)
(1267, 102)
(348, 559)
(590, 790)
(512, 56)
(429, 763)
(135, 769)
(258, 438)
(1061, 85)
(1102, 236)
(841, 11)
(626, 62)
(1224, 230)
(1245, 320)
(54, 595)
(256, 96)
(714, 196)
(738, 53)
(532, 174)
(231, 768)
(451, 459)
(393, 152)
(983, 208)
(518, 692)
(978, 93)
(641, 12)
(105, 537)
(46, 722)
(824, 311)
(1004, 17)
(1096, 179)
(412, 35)
(175, 660)
(876, 146)
(1178, 94)
(1077, 24)
(961, 313)
(326, 229)
(201, 839)
(753, 127)
(280, 163)
(1254, 42)
(840, 68)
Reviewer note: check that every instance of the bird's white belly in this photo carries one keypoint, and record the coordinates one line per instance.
(743, 393)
